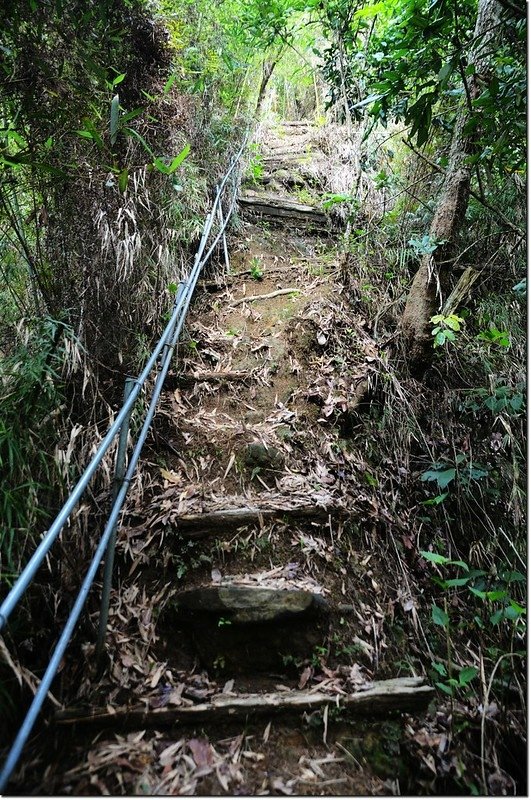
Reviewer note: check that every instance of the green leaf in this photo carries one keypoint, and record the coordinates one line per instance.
(500, 594)
(131, 115)
(453, 322)
(467, 674)
(179, 159)
(513, 575)
(457, 582)
(443, 477)
(435, 501)
(169, 83)
(435, 558)
(461, 564)
(159, 164)
(440, 668)
(439, 616)
(497, 617)
(444, 74)
(123, 179)
(370, 11)
(444, 688)
(118, 79)
(136, 135)
(115, 118)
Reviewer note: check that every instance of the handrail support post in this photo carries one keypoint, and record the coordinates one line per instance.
(119, 474)
(225, 248)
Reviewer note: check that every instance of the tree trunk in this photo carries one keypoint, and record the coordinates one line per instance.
(267, 71)
(430, 282)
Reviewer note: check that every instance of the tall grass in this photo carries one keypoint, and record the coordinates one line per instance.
(32, 406)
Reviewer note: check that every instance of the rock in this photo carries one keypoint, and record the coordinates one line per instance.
(242, 628)
(251, 604)
(257, 455)
(289, 178)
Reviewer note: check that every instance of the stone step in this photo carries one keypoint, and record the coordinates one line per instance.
(247, 628)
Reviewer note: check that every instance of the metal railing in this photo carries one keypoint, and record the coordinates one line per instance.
(123, 477)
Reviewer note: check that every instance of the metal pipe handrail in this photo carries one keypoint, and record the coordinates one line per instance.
(51, 535)
(164, 348)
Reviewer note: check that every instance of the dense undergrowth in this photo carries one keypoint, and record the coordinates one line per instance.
(109, 153)
(108, 160)
(449, 459)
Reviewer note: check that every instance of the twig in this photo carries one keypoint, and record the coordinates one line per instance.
(252, 297)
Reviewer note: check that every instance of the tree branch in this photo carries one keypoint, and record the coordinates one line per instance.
(503, 219)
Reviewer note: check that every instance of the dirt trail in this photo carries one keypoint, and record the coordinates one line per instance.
(252, 481)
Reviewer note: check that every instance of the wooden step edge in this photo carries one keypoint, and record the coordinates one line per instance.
(398, 695)
(209, 523)
(279, 204)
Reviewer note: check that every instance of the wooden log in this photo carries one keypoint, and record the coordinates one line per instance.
(461, 290)
(211, 522)
(411, 695)
(279, 211)
(278, 202)
(296, 123)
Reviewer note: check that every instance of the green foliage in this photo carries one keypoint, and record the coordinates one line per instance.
(424, 246)
(445, 328)
(461, 470)
(31, 392)
(490, 604)
(255, 168)
(451, 685)
(493, 336)
(500, 399)
(257, 270)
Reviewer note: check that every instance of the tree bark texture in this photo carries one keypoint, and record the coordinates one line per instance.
(431, 281)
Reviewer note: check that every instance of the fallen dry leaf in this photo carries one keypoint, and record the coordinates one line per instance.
(201, 751)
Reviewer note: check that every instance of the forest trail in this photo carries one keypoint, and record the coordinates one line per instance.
(244, 581)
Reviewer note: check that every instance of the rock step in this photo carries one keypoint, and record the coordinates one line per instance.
(410, 695)
(288, 157)
(250, 628)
